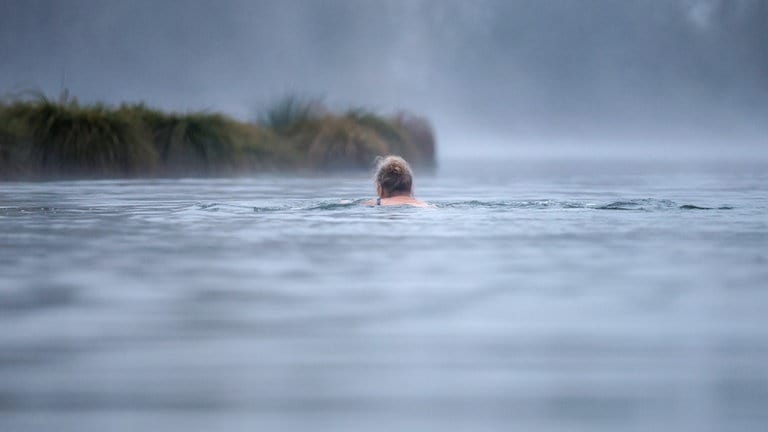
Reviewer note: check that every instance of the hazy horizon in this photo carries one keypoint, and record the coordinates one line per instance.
(681, 78)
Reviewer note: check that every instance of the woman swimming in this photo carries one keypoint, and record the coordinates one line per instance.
(394, 183)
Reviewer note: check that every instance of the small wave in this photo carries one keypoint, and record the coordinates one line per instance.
(651, 204)
(333, 205)
(222, 207)
(237, 208)
(694, 207)
(269, 209)
(209, 206)
(522, 204)
(20, 211)
(59, 211)
(645, 204)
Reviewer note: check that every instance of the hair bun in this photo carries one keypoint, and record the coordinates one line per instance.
(393, 174)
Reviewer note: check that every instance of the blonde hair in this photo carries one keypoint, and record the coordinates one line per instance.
(393, 175)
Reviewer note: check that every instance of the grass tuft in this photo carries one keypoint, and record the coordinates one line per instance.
(67, 139)
(290, 114)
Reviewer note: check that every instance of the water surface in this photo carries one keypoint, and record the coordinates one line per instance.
(554, 296)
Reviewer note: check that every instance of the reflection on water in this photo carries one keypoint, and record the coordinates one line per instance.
(521, 301)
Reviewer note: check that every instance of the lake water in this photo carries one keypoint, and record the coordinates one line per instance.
(541, 296)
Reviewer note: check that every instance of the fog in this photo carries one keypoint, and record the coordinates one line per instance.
(635, 78)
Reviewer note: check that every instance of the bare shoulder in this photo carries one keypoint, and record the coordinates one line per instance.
(397, 201)
(413, 202)
(417, 203)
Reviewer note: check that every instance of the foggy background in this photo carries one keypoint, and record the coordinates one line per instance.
(637, 78)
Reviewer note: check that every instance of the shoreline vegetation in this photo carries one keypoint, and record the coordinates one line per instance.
(41, 139)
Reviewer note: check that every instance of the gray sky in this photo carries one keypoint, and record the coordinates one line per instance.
(633, 77)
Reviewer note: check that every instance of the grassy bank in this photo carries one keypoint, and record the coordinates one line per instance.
(41, 138)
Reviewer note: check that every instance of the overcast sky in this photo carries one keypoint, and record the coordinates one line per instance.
(647, 77)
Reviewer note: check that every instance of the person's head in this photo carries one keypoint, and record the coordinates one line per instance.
(393, 177)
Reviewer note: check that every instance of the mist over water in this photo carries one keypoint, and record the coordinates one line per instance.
(595, 257)
(678, 78)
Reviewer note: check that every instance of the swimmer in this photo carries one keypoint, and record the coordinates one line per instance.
(394, 183)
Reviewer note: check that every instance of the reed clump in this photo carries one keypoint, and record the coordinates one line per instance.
(341, 142)
(41, 138)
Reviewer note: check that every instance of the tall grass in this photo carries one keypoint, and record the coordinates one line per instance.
(43, 138)
(290, 114)
(197, 142)
(7, 150)
(343, 143)
(66, 139)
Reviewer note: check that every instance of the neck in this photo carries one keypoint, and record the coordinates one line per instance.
(395, 194)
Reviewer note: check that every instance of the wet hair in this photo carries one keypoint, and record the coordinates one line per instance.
(394, 175)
